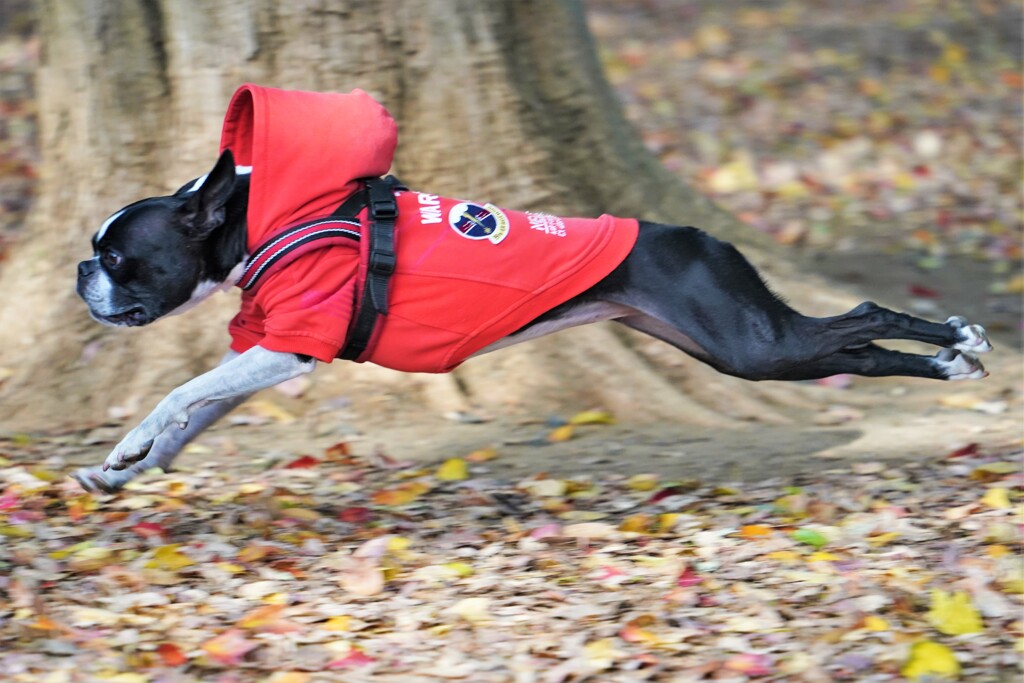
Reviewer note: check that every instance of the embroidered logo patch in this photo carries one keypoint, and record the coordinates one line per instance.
(479, 221)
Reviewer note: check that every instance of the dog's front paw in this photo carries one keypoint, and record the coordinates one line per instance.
(96, 479)
(133, 448)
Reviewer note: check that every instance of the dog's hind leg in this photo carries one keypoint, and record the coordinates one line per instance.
(703, 296)
(874, 361)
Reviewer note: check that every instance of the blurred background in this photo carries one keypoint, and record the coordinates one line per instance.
(887, 131)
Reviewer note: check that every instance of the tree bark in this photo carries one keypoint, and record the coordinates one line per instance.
(496, 100)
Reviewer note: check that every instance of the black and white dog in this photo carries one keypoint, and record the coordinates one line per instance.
(161, 256)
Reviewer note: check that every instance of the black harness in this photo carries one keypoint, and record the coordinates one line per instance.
(378, 196)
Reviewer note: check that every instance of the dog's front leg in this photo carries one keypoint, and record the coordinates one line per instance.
(166, 447)
(249, 372)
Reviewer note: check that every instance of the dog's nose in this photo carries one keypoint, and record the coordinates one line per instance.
(86, 268)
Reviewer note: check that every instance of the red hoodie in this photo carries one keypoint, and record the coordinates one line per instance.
(468, 273)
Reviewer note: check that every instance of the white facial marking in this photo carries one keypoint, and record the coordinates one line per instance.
(106, 224)
(198, 183)
(99, 294)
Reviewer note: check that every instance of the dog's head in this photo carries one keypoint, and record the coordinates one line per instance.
(153, 258)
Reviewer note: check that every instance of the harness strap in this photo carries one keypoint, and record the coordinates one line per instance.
(343, 225)
(290, 244)
(379, 197)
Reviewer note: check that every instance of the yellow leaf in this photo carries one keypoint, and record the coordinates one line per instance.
(45, 474)
(998, 498)
(667, 521)
(271, 411)
(928, 658)
(288, 677)
(453, 469)
(460, 569)
(953, 54)
(341, 623)
(873, 623)
(878, 540)
(601, 653)
(15, 532)
(822, 556)
(787, 556)
(638, 523)
(643, 482)
(560, 434)
(998, 550)
(592, 417)
(953, 614)
(168, 557)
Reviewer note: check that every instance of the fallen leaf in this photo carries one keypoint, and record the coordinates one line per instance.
(474, 610)
(170, 654)
(354, 658)
(267, 619)
(750, 531)
(750, 664)
(954, 614)
(927, 658)
(169, 558)
(560, 434)
(998, 498)
(643, 482)
(229, 647)
(592, 417)
(362, 577)
(453, 469)
(482, 455)
(302, 462)
(270, 411)
(402, 494)
(809, 537)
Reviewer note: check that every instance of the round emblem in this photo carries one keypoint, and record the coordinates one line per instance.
(478, 221)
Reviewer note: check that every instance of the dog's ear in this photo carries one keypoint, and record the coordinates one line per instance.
(204, 210)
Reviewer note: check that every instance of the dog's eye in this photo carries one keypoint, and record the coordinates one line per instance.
(111, 259)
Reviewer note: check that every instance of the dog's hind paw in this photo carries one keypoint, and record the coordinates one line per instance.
(956, 365)
(972, 338)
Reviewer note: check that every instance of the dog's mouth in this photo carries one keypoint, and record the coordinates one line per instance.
(131, 317)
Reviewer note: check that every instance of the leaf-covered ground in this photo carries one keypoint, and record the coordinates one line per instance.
(335, 566)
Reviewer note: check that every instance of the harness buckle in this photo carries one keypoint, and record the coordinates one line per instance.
(382, 262)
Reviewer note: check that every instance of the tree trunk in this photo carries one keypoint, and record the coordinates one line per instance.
(132, 93)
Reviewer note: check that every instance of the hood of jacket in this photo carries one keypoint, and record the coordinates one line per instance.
(306, 149)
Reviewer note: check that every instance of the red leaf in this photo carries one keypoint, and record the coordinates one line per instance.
(969, 449)
(171, 654)
(338, 450)
(667, 492)
(150, 530)
(355, 515)
(354, 658)
(688, 578)
(922, 292)
(302, 462)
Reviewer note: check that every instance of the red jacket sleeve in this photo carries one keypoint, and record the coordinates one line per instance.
(304, 308)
